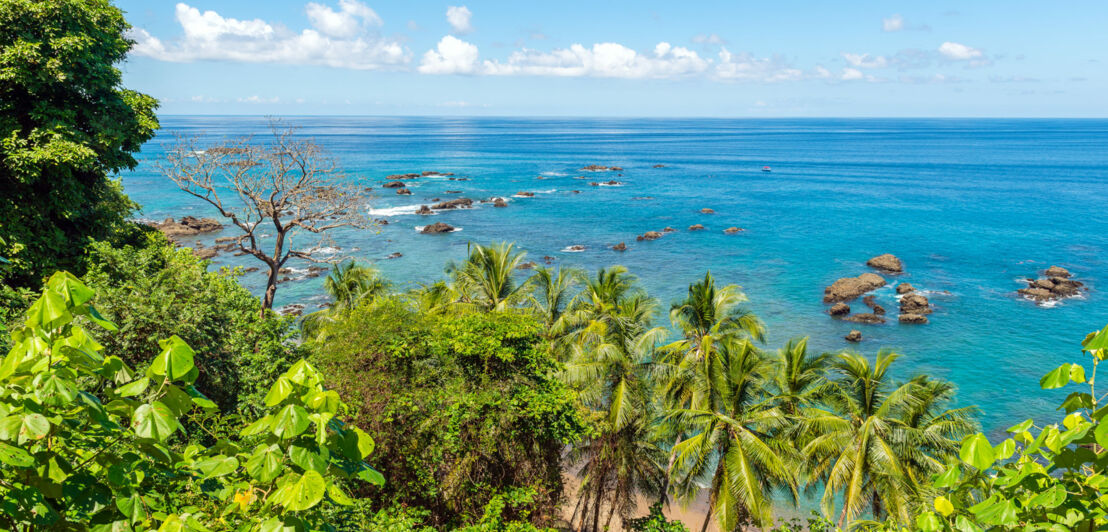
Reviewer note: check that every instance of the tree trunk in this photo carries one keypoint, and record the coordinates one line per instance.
(270, 288)
(669, 471)
(596, 506)
(611, 512)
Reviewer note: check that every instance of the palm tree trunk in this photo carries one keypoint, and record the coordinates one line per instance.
(664, 496)
(596, 508)
(708, 514)
(611, 512)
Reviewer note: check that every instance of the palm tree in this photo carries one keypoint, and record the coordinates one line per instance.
(551, 294)
(730, 443)
(935, 432)
(349, 284)
(707, 318)
(487, 278)
(862, 450)
(609, 365)
(799, 378)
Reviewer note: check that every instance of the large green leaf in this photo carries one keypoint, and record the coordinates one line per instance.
(155, 421)
(279, 391)
(24, 427)
(15, 457)
(176, 360)
(290, 421)
(132, 507)
(308, 459)
(301, 493)
(1101, 433)
(55, 388)
(47, 309)
(134, 388)
(977, 451)
(1057, 378)
(217, 466)
(69, 287)
(265, 464)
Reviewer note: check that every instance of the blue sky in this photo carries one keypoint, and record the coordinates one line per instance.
(602, 58)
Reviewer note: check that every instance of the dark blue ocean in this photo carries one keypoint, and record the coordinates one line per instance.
(971, 206)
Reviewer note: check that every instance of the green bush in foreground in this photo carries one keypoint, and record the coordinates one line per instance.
(155, 290)
(87, 443)
(1055, 480)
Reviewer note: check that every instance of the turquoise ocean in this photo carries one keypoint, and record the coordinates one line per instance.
(970, 205)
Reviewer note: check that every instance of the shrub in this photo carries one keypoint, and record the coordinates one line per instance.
(155, 290)
(466, 408)
(1053, 480)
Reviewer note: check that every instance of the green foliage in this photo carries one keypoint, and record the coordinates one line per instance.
(1054, 479)
(65, 125)
(155, 290)
(86, 442)
(466, 409)
(655, 521)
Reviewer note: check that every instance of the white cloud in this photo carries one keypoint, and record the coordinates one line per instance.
(746, 67)
(893, 23)
(451, 56)
(851, 74)
(708, 39)
(258, 99)
(346, 22)
(866, 60)
(959, 51)
(458, 17)
(338, 39)
(605, 60)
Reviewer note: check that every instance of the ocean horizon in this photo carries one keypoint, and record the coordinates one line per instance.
(972, 207)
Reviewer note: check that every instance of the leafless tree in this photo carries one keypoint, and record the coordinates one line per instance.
(275, 192)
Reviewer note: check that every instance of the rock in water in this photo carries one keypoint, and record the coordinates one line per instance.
(620, 247)
(188, 226)
(669, 230)
(887, 263)
(424, 210)
(403, 192)
(840, 309)
(915, 304)
(437, 227)
(393, 184)
(649, 235)
(913, 318)
(733, 230)
(394, 255)
(854, 336)
(847, 288)
(1057, 271)
(904, 288)
(865, 318)
(707, 211)
(696, 227)
(460, 203)
(499, 202)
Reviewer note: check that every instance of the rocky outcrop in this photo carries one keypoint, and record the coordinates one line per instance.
(437, 227)
(526, 265)
(913, 318)
(904, 288)
(294, 309)
(548, 259)
(460, 203)
(839, 309)
(599, 168)
(620, 247)
(854, 336)
(525, 194)
(575, 248)
(452, 192)
(707, 211)
(204, 253)
(499, 202)
(459, 179)
(188, 226)
(394, 184)
(659, 166)
(696, 227)
(733, 230)
(424, 210)
(394, 255)
(865, 318)
(915, 304)
(1055, 284)
(668, 229)
(649, 235)
(403, 192)
(848, 288)
(887, 263)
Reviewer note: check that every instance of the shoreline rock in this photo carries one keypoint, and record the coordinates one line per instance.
(869, 318)
(600, 168)
(424, 210)
(1056, 284)
(188, 226)
(436, 228)
(393, 184)
(403, 192)
(649, 235)
(620, 247)
(904, 288)
(460, 203)
(854, 336)
(696, 227)
(707, 211)
(839, 309)
(918, 319)
(733, 230)
(887, 263)
(848, 288)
